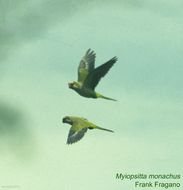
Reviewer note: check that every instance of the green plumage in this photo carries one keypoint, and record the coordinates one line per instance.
(79, 128)
(89, 76)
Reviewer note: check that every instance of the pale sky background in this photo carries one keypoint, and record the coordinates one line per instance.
(41, 44)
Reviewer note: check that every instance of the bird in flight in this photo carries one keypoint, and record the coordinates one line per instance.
(89, 76)
(79, 128)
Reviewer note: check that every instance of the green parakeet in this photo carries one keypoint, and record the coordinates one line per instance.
(89, 76)
(79, 128)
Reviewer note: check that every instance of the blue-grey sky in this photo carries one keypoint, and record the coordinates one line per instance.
(41, 44)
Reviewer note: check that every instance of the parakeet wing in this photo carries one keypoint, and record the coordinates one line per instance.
(87, 64)
(94, 77)
(75, 136)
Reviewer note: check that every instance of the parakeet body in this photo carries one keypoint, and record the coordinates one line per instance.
(79, 128)
(89, 76)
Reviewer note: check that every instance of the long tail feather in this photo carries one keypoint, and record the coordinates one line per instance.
(104, 129)
(107, 98)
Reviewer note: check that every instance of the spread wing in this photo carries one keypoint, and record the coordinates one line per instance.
(94, 77)
(75, 136)
(87, 64)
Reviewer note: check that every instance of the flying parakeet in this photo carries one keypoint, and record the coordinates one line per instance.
(79, 128)
(89, 76)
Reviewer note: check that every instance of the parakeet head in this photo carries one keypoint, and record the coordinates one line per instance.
(68, 120)
(73, 85)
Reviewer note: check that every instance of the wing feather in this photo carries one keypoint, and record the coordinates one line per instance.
(87, 64)
(75, 136)
(95, 76)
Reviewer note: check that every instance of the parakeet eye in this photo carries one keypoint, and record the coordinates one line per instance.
(74, 85)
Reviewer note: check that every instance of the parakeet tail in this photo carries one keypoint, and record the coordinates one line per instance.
(101, 96)
(104, 129)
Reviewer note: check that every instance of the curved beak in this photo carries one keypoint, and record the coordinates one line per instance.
(69, 84)
(64, 120)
